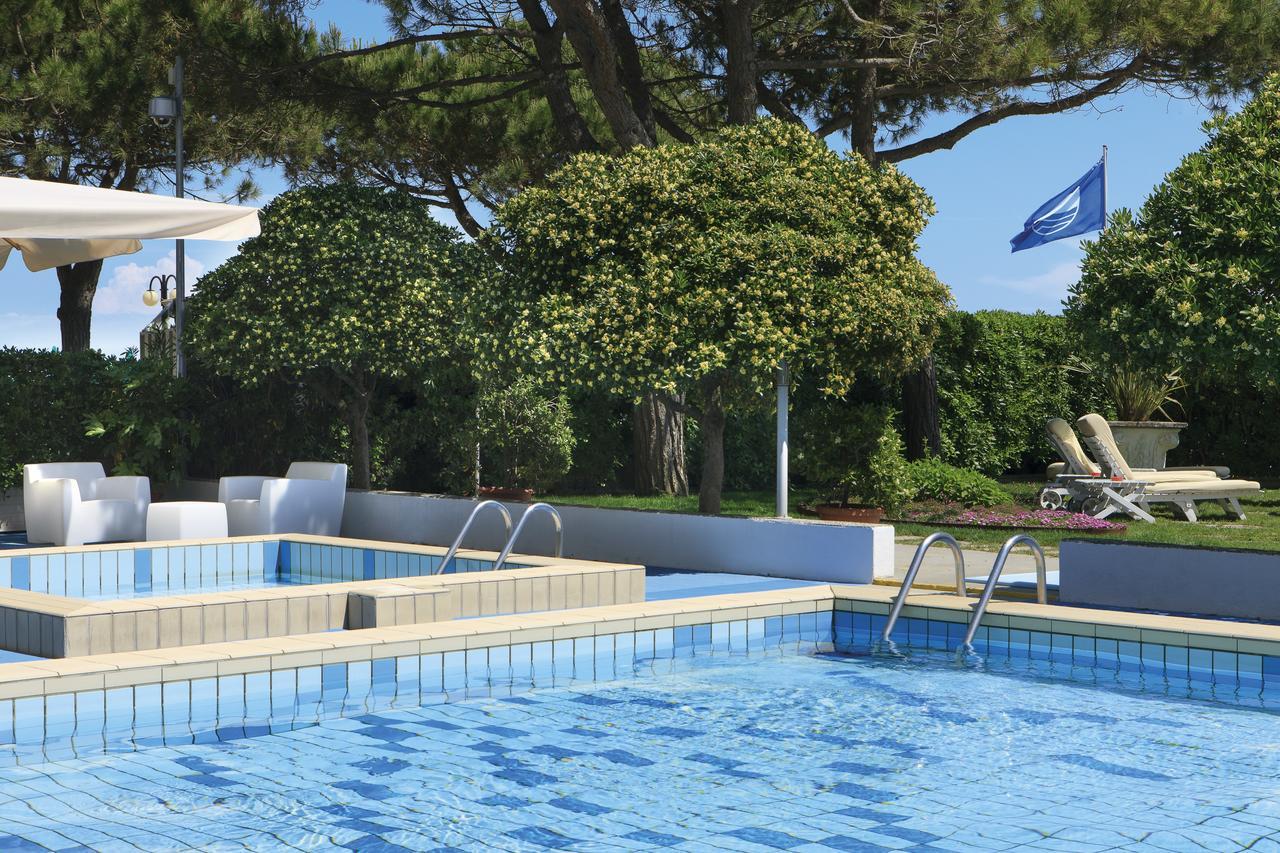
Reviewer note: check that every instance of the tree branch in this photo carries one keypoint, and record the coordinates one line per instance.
(989, 117)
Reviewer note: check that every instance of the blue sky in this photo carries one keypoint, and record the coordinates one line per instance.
(984, 188)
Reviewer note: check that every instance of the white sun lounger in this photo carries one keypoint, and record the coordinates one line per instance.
(1180, 489)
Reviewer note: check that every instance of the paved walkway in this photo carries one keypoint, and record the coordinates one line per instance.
(939, 565)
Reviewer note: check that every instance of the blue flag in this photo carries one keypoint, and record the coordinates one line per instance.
(1080, 208)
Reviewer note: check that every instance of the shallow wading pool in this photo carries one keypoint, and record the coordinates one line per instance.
(750, 735)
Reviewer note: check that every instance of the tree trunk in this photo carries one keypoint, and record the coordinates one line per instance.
(711, 420)
(569, 122)
(629, 64)
(740, 51)
(920, 412)
(589, 34)
(75, 310)
(657, 430)
(356, 407)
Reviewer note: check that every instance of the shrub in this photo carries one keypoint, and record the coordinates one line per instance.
(524, 435)
(1001, 375)
(854, 452)
(694, 269)
(346, 289)
(1192, 279)
(934, 480)
(46, 395)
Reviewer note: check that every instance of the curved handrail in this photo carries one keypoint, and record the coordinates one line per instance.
(910, 578)
(997, 567)
(457, 543)
(534, 508)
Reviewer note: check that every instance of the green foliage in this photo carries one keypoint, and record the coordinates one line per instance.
(46, 395)
(1193, 278)
(145, 423)
(346, 287)
(854, 452)
(1001, 375)
(934, 480)
(350, 282)
(669, 267)
(133, 416)
(695, 269)
(524, 434)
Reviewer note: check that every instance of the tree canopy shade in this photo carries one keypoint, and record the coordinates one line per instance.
(345, 288)
(696, 269)
(1192, 279)
(77, 79)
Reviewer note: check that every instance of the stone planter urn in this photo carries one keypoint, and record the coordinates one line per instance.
(1145, 443)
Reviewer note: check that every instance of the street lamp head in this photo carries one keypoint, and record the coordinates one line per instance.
(163, 110)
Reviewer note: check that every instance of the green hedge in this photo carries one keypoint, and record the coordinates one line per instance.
(1000, 376)
(47, 396)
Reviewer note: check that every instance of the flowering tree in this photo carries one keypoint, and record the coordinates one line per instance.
(345, 287)
(697, 269)
(1192, 280)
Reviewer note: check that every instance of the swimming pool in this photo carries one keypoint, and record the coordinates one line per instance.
(756, 738)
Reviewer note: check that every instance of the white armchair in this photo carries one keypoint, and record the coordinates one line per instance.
(74, 503)
(308, 499)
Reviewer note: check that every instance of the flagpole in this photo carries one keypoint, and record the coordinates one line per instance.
(1104, 185)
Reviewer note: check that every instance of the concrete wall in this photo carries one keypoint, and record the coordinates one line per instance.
(808, 550)
(1203, 581)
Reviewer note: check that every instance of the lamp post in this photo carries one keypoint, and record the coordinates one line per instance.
(166, 110)
(783, 380)
(153, 297)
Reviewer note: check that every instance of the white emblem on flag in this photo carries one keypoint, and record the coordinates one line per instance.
(1062, 215)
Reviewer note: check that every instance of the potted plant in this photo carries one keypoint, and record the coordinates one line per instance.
(1139, 395)
(854, 454)
(525, 439)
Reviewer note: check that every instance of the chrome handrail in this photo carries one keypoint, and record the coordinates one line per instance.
(534, 508)
(997, 567)
(910, 578)
(457, 543)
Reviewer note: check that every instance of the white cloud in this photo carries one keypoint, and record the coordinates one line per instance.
(122, 293)
(1053, 282)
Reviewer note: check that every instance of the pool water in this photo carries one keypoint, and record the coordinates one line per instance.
(770, 751)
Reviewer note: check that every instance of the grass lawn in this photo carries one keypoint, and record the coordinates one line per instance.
(1261, 530)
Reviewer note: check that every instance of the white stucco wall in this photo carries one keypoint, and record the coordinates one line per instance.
(1203, 581)
(809, 550)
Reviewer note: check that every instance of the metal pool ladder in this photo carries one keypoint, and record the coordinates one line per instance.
(457, 543)
(532, 510)
(929, 541)
(996, 568)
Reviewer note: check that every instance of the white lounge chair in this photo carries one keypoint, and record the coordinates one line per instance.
(74, 503)
(1181, 494)
(1078, 464)
(308, 499)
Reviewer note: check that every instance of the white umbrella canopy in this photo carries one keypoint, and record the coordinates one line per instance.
(54, 224)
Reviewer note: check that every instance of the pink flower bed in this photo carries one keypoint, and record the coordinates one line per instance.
(1049, 519)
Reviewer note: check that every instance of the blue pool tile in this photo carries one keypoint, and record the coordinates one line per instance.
(142, 570)
(504, 801)
(525, 777)
(572, 804)
(366, 790)
(851, 845)
(542, 837)
(854, 791)
(767, 837)
(1113, 769)
(621, 756)
(22, 573)
(374, 844)
(654, 839)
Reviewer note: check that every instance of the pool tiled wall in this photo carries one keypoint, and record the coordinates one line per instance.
(139, 570)
(51, 727)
